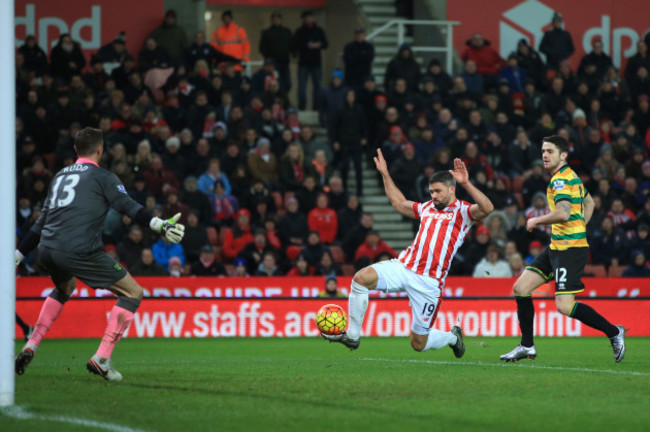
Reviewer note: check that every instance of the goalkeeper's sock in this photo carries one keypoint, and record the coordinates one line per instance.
(24, 327)
(49, 313)
(118, 322)
(587, 315)
(438, 339)
(357, 305)
(526, 315)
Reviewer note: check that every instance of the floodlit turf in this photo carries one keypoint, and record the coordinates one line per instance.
(308, 384)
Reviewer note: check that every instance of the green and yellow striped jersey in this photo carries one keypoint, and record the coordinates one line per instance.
(566, 185)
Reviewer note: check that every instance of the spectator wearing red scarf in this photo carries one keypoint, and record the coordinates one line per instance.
(236, 238)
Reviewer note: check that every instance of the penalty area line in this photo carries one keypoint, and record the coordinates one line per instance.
(19, 413)
(466, 363)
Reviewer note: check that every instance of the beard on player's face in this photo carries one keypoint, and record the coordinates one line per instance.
(442, 199)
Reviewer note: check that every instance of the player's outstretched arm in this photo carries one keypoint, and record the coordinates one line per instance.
(395, 196)
(483, 206)
(590, 205)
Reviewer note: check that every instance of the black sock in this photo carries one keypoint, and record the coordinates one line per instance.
(593, 319)
(22, 324)
(526, 315)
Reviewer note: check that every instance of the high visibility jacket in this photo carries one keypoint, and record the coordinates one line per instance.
(233, 41)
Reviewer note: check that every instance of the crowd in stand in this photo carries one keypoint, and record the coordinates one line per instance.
(186, 130)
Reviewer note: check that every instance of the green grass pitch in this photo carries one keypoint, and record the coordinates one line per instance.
(308, 384)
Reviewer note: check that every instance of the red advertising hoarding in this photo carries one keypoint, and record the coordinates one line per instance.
(619, 23)
(200, 318)
(92, 23)
(260, 287)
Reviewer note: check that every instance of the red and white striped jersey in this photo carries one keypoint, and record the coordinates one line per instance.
(440, 235)
(532, 212)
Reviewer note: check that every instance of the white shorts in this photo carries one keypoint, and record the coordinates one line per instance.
(423, 291)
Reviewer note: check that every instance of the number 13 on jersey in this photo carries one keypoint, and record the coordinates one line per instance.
(66, 195)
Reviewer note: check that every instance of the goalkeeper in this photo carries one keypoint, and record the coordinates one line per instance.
(68, 235)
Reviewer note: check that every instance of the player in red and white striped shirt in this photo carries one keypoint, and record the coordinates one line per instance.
(421, 269)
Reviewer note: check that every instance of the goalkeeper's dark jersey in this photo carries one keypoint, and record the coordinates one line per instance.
(79, 197)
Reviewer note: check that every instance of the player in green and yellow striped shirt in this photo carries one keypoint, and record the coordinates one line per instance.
(571, 208)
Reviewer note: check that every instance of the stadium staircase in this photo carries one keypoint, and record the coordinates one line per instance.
(392, 227)
(377, 13)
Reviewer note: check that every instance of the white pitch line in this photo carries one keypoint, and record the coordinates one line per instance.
(465, 363)
(21, 414)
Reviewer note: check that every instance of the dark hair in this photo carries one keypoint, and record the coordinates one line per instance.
(559, 142)
(442, 177)
(87, 141)
(226, 13)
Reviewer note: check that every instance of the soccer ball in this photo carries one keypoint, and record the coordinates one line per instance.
(331, 319)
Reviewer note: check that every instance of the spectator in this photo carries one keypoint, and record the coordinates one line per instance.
(441, 79)
(195, 236)
(622, 217)
(197, 113)
(403, 65)
(164, 251)
(231, 39)
(319, 168)
(275, 44)
(173, 206)
(237, 237)
(638, 268)
(608, 247)
(258, 193)
(538, 208)
(291, 168)
(492, 265)
(596, 57)
(314, 249)
(349, 132)
(261, 79)
(530, 61)
(262, 164)
(308, 41)
(515, 75)
(349, 216)
(323, 220)
(641, 117)
(156, 176)
(147, 266)
(640, 242)
(332, 99)
(522, 155)
(479, 50)
(405, 171)
(337, 196)
(223, 205)
(535, 183)
(327, 267)
(557, 43)
(475, 250)
(202, 50)
(240, 268)
(66, 58)
(356, 235)
(331, 289)
(196, 199)
(154, 56)
(34, 56)
(534, 249)
(302, 268)
(357, 57)
(172, 159)
(517, 265)
(171, 37)
(268, 266)
(207, 265)
(214, 173)
(638, 60)
(254, 251)
(113, 54)
(311, 143)
(372, 247)
(293, 227)
(473, 80)
(130, 249)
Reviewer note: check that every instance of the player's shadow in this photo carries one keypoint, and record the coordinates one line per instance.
(323, 403)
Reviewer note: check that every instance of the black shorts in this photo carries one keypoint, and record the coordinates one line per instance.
(567, 267)
(95, 269)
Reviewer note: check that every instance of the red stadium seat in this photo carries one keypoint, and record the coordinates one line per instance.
(616, 271)
(595, 271)
(337, 253)
(517, 184)
(348, 269)
(213, 236)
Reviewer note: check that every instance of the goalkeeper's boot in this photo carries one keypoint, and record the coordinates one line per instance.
(618, 344)
(104, 368)
(459, 346)
(24, 358)
(521, 352)
(344, 339)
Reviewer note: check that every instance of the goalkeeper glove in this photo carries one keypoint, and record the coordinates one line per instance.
(19, 257)
(169, 229)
